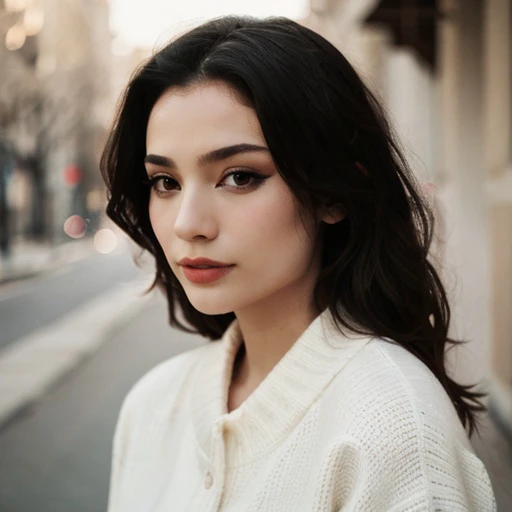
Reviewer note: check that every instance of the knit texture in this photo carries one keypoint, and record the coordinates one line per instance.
(341, 423)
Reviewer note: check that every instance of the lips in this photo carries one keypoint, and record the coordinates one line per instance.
(202, 263)
(204, 270)
(205, 275)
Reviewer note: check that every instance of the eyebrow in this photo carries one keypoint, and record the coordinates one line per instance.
(208, 158)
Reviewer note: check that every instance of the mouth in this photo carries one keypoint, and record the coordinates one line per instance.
(202, 274)
(202, 262)
(208, 266)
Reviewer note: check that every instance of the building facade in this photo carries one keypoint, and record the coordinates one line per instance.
(443, 70)
(54, 109)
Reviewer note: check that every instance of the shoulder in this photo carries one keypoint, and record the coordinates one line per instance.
(422, 392)
(393, 421)
(166, 379)
(386, 378)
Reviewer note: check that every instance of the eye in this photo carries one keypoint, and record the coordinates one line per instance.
(161, 184)
(242, 180)
(237, 180)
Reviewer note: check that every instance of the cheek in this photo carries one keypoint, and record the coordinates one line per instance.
(272, 228)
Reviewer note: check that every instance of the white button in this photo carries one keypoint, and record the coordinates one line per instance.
(208, 481)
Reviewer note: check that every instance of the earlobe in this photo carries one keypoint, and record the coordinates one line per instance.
(332, 214)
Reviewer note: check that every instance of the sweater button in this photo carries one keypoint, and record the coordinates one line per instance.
(208, 481)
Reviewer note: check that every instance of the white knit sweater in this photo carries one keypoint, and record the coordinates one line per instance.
(339, 424)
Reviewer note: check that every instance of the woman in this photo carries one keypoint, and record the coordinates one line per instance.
(251, 161)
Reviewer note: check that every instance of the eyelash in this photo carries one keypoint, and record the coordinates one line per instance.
(257, 181)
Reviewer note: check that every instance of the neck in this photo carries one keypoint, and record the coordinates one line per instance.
(270, 327)
(268, 334)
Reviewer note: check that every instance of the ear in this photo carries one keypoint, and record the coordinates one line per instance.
(331, 214)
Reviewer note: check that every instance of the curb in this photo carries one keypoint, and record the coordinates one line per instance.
(45, 258)
(30, 366)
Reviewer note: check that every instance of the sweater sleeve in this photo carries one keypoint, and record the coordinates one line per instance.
(404, 449)
(132, 437)
(119, 452)
(417, 475)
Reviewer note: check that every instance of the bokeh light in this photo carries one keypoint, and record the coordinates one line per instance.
(33, 21)
(15, 5)
(75, 226)
(15, 37)
(105, 241)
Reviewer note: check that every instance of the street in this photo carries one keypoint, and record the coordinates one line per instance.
(46, 298)
(56, 458)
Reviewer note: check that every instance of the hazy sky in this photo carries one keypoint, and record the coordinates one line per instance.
(149, 22)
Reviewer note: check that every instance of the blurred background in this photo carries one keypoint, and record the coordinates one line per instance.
(77, 330)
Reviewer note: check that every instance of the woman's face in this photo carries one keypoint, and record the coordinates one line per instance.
(216, 194)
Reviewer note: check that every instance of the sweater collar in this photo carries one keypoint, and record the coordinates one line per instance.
(277, 405)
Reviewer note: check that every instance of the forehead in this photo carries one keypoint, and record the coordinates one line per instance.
(202, 115)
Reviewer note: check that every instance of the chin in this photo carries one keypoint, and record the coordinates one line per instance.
(214, 310)
(210, 306)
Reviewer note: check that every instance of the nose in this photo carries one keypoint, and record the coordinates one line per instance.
(195, 217)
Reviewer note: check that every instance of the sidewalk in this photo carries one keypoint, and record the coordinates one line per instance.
(28, 259)
(34, 363)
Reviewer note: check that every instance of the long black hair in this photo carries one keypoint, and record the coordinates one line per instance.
(332, 145)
